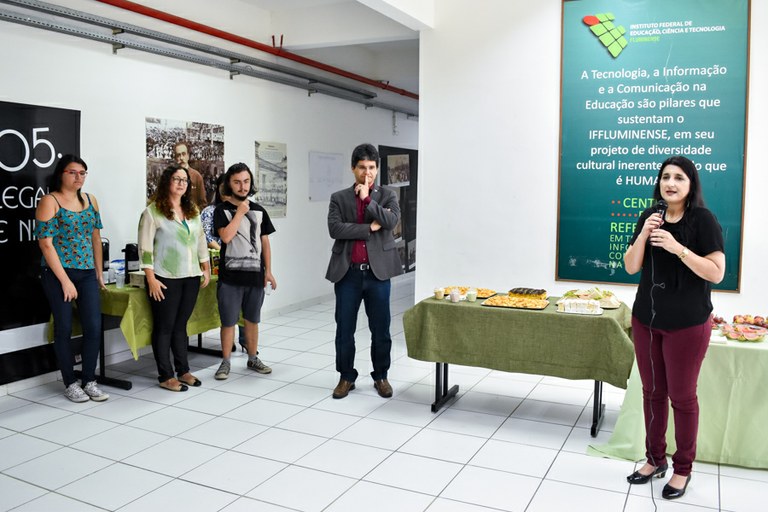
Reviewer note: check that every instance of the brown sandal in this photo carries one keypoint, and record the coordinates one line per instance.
(190, 380)
(173, 385)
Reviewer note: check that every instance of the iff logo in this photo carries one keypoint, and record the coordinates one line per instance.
(610, 35)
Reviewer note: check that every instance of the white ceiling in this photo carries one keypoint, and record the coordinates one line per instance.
(393, 58)
(288, 5)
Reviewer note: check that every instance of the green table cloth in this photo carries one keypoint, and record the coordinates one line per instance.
(542, 342)
(733, 414)
(132, 305)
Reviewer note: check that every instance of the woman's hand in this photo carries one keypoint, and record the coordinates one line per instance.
(156, 289)
(70, 292)
(664, 239)
(651, 223)
(206, 278)
(100, 279)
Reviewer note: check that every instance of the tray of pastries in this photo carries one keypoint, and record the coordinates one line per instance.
(482, 293)
(528, 293)
(506, 301)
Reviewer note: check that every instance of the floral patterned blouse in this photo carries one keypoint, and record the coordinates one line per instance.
(72, 234)
(171, 248)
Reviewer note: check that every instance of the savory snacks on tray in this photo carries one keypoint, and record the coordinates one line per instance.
(482, 293)
(579, 306)
(505, 301)
(606, 298)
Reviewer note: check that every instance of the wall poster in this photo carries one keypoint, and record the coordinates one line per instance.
(32, 139)
(643, 80)
(328, 172)
(399, 172)
(199, 146)
(271, 175)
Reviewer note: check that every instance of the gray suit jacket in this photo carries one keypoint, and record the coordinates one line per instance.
(344, 229)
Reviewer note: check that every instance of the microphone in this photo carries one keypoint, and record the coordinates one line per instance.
(661, 208)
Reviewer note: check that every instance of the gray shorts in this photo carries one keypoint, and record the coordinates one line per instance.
(233, 299)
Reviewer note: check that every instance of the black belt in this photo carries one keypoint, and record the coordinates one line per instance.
(361, 266)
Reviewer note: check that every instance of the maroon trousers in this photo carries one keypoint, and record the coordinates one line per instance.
(669, 364)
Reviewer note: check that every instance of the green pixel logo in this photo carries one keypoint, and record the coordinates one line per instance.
(607, 32)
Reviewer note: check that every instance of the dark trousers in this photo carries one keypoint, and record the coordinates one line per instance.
(355, 287)
(669, 364)
(169, 330)
(89, 308)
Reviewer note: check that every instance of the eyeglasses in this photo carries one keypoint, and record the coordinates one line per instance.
(180, 181)
(82, 174)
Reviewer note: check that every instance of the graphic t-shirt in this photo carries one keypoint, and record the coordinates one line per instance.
(241, 259)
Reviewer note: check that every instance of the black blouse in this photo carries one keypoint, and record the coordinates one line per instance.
(678, 296)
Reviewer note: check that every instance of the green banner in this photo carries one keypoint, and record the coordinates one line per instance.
(643, 80)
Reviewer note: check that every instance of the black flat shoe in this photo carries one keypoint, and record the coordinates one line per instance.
(194, 381)
(672, 493)
(639, 478)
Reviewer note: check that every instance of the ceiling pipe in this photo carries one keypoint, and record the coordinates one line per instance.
(205, 29)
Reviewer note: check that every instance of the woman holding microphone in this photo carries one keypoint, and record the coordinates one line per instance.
(678, 249)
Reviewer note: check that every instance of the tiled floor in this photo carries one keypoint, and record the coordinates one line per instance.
(280, 442)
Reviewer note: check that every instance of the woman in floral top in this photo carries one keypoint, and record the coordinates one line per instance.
(173, 256)
(67, 230)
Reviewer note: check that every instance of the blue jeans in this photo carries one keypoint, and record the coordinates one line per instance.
(89, 307)
(355, 287)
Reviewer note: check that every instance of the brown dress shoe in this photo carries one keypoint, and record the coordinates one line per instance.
(383, 387)
(343, 388)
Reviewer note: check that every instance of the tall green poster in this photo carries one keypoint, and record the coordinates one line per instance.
(643, 80)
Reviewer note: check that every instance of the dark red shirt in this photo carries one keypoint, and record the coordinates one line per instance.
(359, 250)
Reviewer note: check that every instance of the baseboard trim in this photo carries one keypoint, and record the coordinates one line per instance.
(27, 363)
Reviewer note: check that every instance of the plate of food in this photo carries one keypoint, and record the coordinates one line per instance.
(482, 293)
(528, 293)
(579, 306)
(505, 301)
(462, 289)
(606, 298)
(743, 332)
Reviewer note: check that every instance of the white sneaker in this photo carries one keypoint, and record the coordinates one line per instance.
(75, 393)
(93, 391)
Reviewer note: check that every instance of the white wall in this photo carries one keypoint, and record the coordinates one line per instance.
(116, 92)
(488, 137)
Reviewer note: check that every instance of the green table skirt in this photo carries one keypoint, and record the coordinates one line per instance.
(132, 304)
(733, 413)
(541, 342)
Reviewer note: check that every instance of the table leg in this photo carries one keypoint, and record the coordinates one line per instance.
(442, 393)
(200, 349)
(102, 378)
(598, 409)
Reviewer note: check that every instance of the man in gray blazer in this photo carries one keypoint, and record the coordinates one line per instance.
(364, 258)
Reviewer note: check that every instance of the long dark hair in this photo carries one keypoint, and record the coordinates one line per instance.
(695, 196)
(58, 172)
(162, 197)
